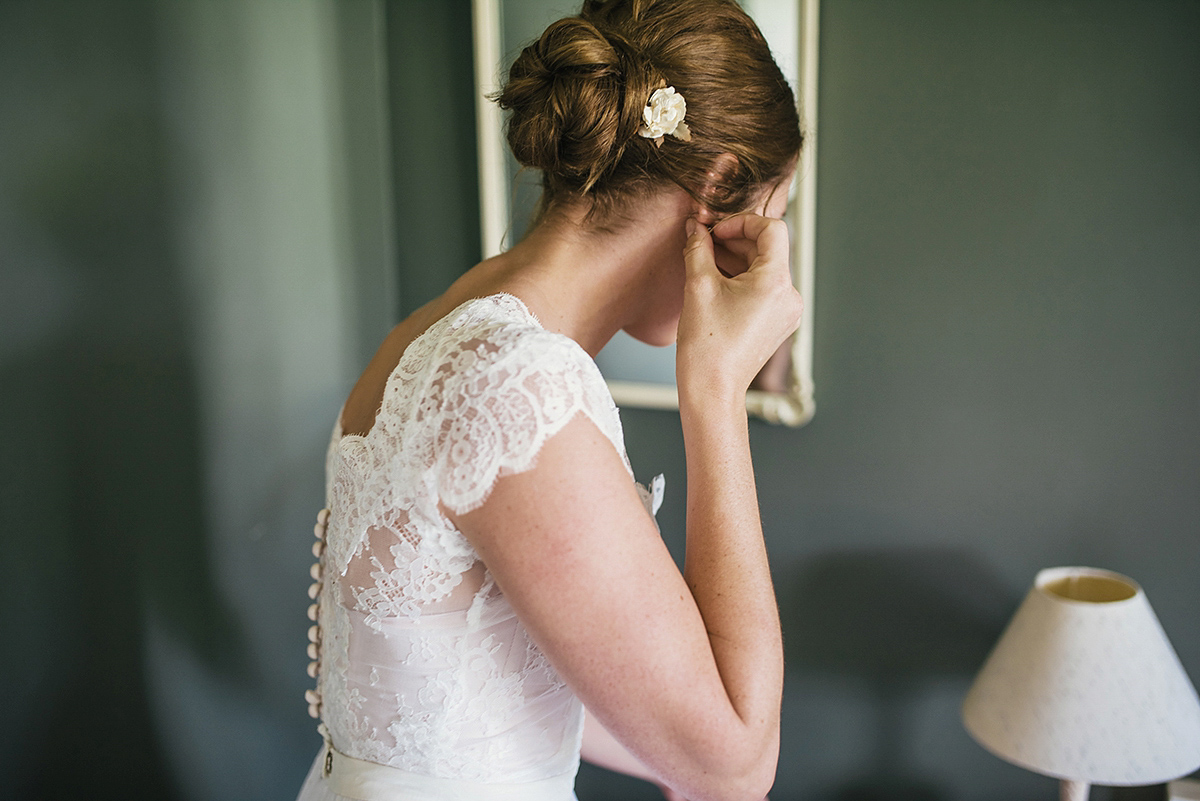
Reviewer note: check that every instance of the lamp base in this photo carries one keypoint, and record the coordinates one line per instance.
(1073, 791)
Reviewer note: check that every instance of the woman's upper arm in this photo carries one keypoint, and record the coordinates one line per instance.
(572, 547)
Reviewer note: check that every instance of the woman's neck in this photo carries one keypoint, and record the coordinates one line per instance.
(587, 282)
(580, 281)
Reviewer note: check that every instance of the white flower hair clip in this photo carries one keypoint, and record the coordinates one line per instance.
(663, 116)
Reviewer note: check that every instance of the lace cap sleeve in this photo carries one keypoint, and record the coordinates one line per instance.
(504, 391)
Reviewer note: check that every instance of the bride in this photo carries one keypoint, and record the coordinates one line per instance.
(487, 566)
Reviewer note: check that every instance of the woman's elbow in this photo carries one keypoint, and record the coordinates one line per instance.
(758, 783)
(740, 777)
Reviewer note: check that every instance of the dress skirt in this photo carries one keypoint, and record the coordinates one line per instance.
(337, 777)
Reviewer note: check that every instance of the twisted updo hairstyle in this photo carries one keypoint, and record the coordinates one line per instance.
(576, 97)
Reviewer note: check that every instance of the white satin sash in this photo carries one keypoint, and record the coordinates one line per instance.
(370, 781)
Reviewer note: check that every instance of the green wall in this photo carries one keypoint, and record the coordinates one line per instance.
(431, 82)
(195, 261)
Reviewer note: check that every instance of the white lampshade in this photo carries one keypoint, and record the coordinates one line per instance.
(1084, 686)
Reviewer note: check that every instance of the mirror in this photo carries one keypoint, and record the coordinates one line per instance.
(640, 375)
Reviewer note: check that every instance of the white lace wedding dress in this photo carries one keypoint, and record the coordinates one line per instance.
(427, 685)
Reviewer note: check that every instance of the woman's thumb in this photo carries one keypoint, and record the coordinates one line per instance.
(698, 252)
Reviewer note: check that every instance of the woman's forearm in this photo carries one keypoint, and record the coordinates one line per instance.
(726, 561)
(602, 749)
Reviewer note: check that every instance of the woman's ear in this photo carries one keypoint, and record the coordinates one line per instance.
(719, 176)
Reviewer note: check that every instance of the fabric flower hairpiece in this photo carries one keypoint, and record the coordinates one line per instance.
(663, 116)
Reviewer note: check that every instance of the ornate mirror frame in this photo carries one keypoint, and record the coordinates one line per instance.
(792, 29)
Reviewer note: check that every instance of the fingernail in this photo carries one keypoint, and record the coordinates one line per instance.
(690, 226)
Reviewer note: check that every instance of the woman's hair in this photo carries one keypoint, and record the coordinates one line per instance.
(576, 97)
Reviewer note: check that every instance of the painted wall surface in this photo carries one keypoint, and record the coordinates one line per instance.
(1007, 368)
(193, 268)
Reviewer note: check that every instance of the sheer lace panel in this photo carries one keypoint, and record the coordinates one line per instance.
(423, 664)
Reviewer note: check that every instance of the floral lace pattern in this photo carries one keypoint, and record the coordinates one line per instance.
(422, 663)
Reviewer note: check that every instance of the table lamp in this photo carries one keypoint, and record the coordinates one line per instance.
(1084, 686)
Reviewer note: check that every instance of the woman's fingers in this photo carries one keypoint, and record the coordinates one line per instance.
(731, 325)
(746, 225)
(698, 251)
(735, 244)
(760, 240)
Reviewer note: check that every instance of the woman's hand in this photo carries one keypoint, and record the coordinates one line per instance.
(732, 323)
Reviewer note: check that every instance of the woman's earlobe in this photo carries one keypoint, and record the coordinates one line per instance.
(707, 216)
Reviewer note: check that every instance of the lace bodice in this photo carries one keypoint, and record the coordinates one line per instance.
(421, 662)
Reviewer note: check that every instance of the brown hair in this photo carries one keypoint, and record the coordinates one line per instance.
(577, 94)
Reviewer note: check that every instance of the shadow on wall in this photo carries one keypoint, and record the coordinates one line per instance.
(891, 621)
(100, 470)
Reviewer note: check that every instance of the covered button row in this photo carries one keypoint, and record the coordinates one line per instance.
(313, 697)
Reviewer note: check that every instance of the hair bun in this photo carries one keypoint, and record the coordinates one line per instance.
(577, 95)
(576, 99)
